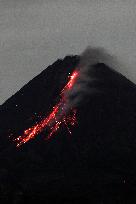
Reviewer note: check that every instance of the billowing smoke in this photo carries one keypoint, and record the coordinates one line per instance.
(85, 84)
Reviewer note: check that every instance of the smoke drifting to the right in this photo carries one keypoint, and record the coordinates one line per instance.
(85, 84)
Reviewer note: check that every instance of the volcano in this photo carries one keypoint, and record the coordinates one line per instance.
(96, 162)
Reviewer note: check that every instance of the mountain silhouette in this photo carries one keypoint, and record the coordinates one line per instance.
(96, 162)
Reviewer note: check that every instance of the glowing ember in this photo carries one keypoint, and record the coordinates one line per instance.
(53, 121)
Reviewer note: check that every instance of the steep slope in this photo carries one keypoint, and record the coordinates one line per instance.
(96, 162)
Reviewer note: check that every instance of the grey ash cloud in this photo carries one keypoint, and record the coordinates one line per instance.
(86, 83)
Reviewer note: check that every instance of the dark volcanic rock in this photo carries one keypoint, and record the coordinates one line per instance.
(96, 163)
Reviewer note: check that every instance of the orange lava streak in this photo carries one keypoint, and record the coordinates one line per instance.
(54, 119)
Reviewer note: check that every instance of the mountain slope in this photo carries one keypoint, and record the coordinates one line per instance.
(95, 162)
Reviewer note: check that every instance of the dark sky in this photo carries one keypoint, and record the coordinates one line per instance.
(34, 33)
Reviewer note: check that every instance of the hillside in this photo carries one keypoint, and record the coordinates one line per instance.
(96, 162)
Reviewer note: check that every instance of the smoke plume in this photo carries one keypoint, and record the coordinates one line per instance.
(85, 84)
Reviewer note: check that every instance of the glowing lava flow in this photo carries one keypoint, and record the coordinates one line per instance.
(54, 119)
